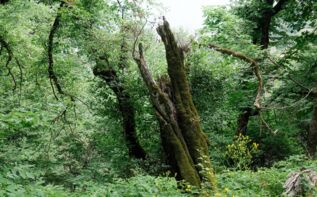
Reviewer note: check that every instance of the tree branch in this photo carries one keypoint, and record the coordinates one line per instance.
(10, 57)
(255, 67)
(51, 73)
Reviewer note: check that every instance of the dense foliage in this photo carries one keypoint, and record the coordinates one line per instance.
(78, 119)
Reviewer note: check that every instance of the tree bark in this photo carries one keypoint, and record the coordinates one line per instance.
(109, 75)
(182, 137)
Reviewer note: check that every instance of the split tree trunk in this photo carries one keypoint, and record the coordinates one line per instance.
(109, 75)
(182, 137)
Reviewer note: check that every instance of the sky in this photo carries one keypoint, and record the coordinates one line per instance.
(187, 14)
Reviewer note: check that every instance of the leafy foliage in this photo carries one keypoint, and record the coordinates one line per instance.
(74, 146)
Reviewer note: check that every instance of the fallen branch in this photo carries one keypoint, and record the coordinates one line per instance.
(294, 185)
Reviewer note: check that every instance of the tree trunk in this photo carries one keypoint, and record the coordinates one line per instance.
(265, 23)
(262, 35)
(312, 133)
(182, 137)
(109, 75)
(243, 120)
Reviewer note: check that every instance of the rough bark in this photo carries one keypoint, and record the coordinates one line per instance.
(181, 133)
(297, 181)
(312, 133)
(172, 139)
(126, 108)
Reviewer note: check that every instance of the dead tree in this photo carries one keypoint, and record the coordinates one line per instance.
(182, 137)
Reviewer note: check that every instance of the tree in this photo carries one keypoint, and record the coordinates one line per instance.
(182, 137)
(262, 20)
(105, 71)
(110, 74)
(299, 18)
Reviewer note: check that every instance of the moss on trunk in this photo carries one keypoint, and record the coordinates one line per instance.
(184, 142)
(187, 115)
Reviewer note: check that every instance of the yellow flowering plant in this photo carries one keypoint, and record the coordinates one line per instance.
(241, 152)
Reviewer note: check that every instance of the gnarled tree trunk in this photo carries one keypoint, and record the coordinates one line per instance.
(109, 75)
(182, 137)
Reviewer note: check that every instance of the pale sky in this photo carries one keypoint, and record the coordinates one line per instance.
(187, 14)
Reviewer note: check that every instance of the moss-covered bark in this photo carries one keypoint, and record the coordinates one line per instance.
(187, 115)
(183, 140)
(109, 75)
(172, 139)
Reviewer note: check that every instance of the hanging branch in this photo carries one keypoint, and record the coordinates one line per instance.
(51, 74)
(6, 45)
(255, 67)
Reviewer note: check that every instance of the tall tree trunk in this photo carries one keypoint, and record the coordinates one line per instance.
(265, 23)
(181, 133)
(109, 75)
(312, 133)
(261, 37)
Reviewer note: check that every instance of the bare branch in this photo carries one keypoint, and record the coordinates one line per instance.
(137, 37)
(255, 67)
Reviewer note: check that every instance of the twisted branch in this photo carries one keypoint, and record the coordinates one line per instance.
(254, 65)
